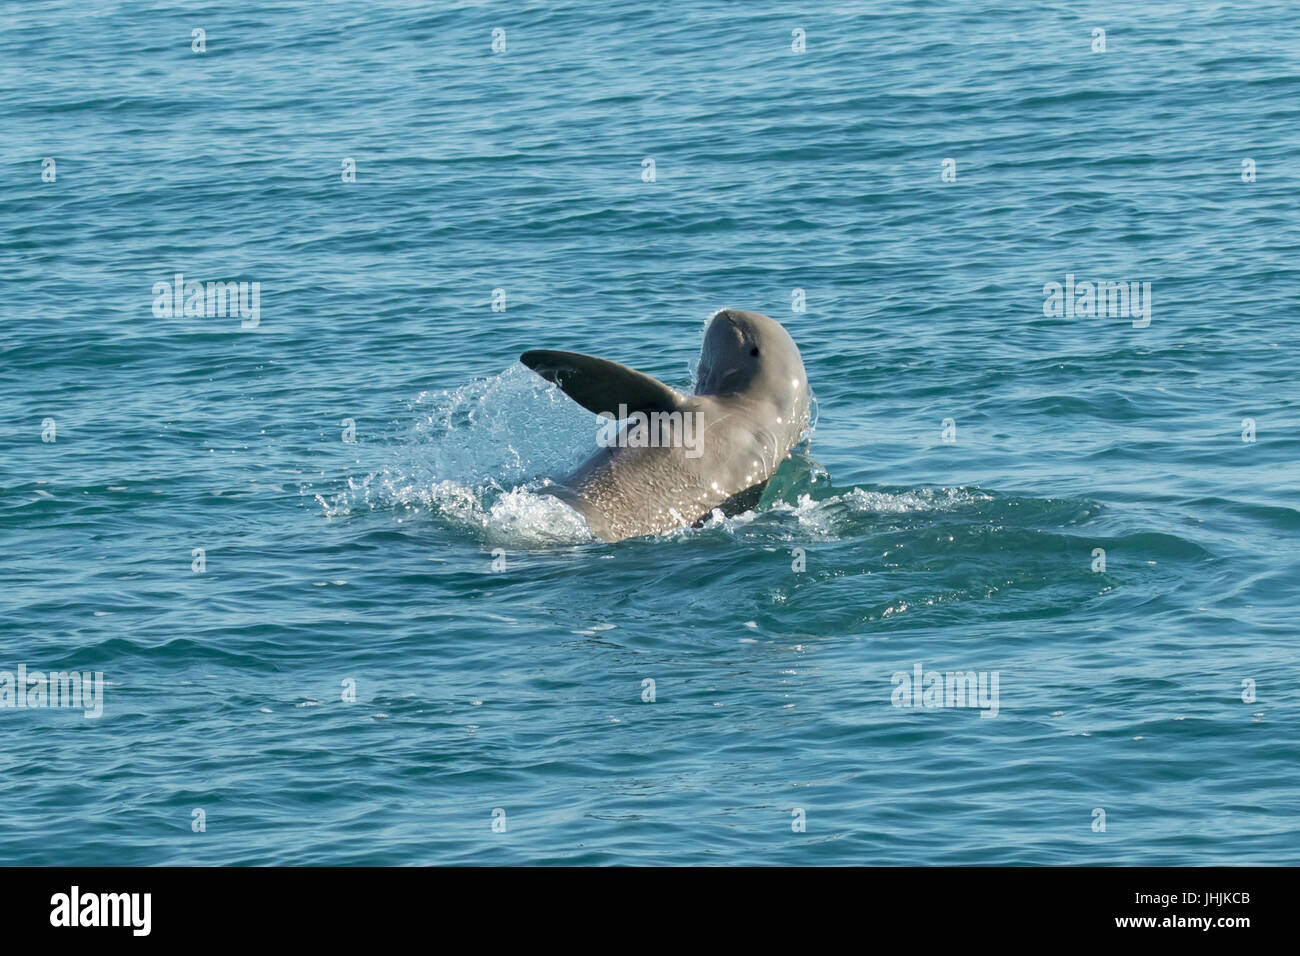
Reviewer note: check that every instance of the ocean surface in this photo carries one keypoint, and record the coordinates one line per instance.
(336, 624)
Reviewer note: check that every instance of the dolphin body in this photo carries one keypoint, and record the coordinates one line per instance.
(678, 457)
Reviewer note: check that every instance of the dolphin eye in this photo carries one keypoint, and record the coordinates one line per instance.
(754, 351)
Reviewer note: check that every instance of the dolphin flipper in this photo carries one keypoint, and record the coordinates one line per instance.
(738, 503)
(600, 385)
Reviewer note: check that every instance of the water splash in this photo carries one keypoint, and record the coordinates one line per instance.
(476, 459)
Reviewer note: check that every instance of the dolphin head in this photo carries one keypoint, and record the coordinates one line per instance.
(750, 356)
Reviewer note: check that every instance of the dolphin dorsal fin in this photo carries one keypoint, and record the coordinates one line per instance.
(600, 385)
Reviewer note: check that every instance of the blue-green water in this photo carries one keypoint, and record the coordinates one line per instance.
(329, 564)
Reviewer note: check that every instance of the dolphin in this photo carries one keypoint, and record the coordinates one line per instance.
(677, 457)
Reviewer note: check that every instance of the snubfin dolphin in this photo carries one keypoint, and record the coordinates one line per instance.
(677, 457)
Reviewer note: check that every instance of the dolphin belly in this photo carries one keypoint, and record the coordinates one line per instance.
(631, 493)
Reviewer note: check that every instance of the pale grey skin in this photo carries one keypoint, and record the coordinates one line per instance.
(750, 388)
